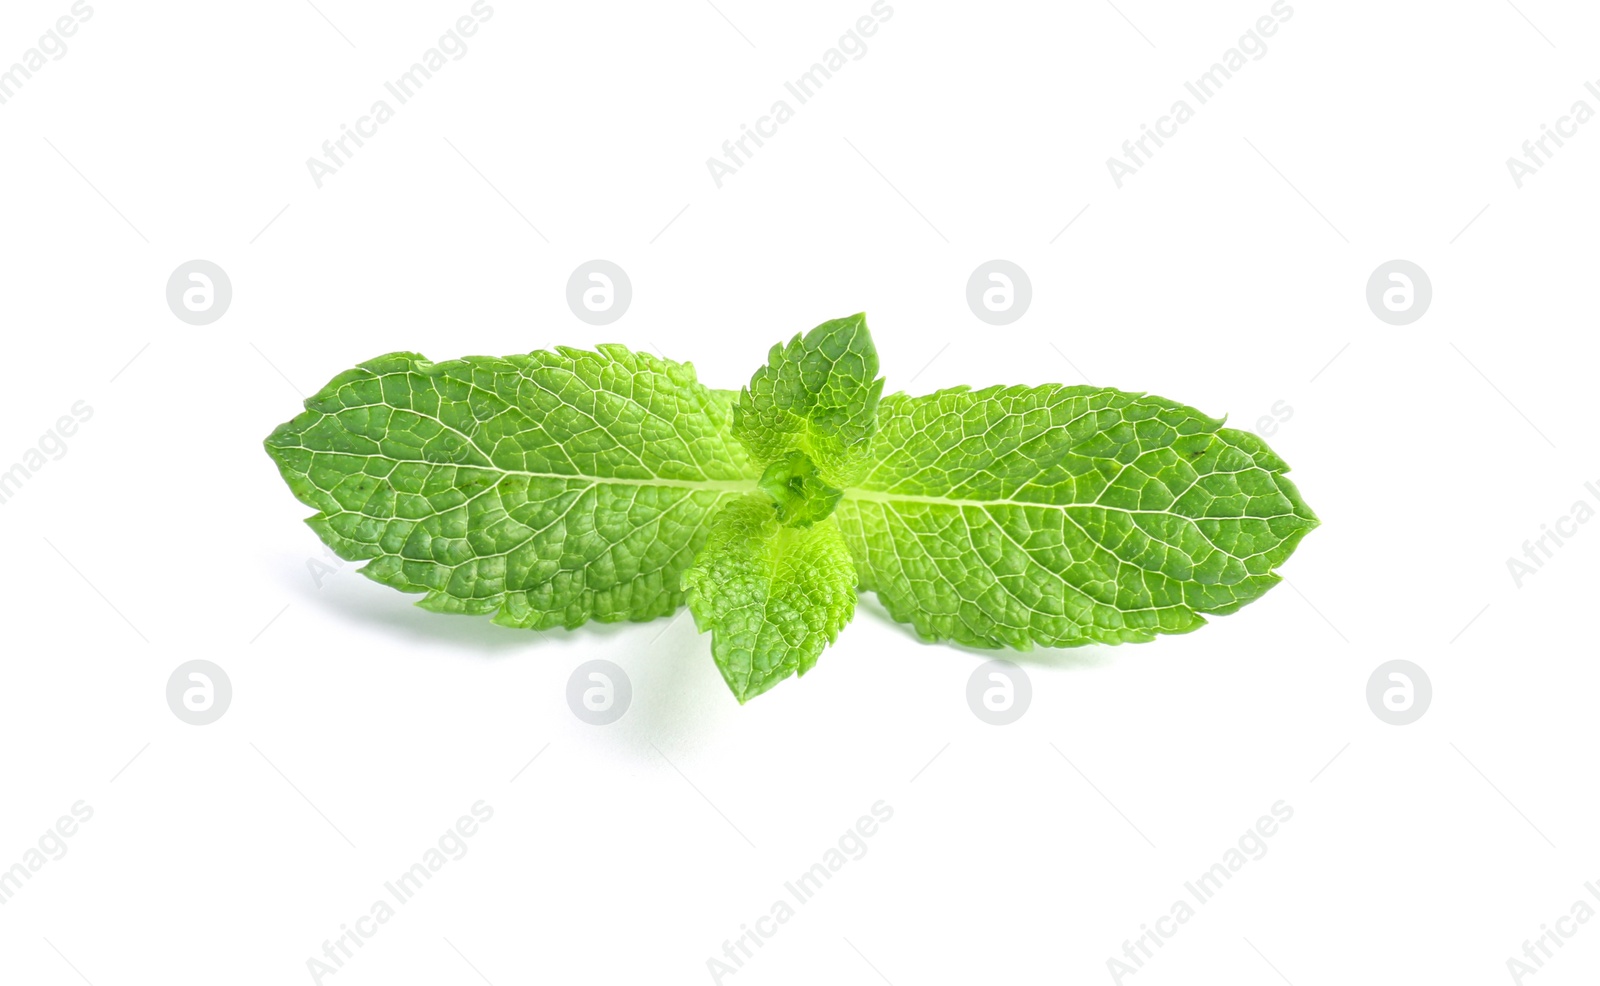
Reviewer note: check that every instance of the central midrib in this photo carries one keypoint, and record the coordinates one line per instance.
(749, 486)
(875, 496)
(719, 485)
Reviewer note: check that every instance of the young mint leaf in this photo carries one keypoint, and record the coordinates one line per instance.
(774, 586)
(1062, 515)
(800, 495)
(772, 596)
(818, 395)
(546, 489)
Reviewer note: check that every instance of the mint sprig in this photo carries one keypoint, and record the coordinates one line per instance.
(554, 488)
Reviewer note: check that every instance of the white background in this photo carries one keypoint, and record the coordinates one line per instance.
(1227, 274)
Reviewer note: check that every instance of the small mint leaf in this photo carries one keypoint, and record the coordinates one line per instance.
(771, 596)
(800, 495)
(817, 395)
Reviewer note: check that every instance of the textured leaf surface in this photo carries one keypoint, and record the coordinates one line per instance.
(772, 596)
(818, 395)
(546, 489)
(1065, 515)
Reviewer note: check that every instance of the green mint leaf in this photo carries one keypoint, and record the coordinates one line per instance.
(547, 489)
(772, 596)
(817, 395)
(799, 494)
(1062, 515)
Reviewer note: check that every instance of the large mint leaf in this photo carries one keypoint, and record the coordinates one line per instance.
(772, 596)
(1065, 515)
(546, 489)
(819, 396)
